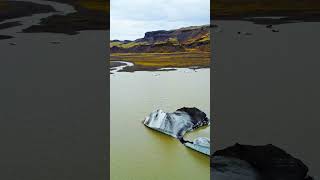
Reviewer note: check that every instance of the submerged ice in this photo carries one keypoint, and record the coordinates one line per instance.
(178, 123)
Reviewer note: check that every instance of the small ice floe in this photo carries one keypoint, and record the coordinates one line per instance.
(194, 69)
(244, 33)
(269, 26)
(156, 74)
(187, 71)
(55, 42)
(216, 28)
(219, 30)
(201, 144)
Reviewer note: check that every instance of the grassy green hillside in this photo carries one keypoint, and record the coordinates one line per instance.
(189, 39)
(179, 48)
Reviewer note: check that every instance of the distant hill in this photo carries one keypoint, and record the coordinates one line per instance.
(188, 39)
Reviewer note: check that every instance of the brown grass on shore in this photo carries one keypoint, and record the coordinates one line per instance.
(165, 60)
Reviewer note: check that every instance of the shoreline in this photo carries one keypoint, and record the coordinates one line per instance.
(71, 24)
(263, 8)
(270, 19)
(18, 9)
(3, 37)
(133, 68)
(11, 10)
(162, 61)
(289, 10)
(14, 26)
(7, 25)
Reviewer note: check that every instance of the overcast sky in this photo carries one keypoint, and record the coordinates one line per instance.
(130, 19)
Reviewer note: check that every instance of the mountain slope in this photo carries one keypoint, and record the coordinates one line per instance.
(189, 39)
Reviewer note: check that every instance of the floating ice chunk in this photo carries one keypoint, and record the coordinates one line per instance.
(176, 124)
(201, 144)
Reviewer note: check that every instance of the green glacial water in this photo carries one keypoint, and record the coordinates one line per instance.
(139, 153)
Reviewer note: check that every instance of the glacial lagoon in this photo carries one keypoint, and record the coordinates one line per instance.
(137, 152)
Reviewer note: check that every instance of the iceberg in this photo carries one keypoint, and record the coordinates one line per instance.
(175, 124)
(178, 123)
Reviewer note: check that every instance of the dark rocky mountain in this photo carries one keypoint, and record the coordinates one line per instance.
(195, 38)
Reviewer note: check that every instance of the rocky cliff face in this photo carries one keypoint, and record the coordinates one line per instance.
(195, 38)
(182, 36)
(166, 47)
